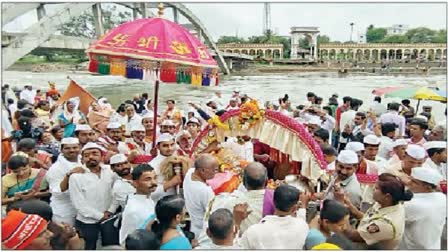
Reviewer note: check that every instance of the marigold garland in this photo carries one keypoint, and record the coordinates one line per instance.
(250, 114)
(216, 122)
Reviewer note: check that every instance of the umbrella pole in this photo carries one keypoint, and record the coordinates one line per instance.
(156, 105)
(418, 104)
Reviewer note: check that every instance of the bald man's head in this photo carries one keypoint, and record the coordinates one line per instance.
(206, 166)
(220, 224)
(255, 176)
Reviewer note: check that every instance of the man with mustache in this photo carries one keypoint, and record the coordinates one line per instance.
(345, 180)
(90, 193)
(137, 143)
(112, 141)
(140, 205)
(58, 177)
(123, 186)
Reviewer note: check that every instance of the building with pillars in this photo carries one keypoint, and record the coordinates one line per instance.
(310, 33)
(263, 50)
(370, 52)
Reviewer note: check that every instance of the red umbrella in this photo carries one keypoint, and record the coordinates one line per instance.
(154, 49)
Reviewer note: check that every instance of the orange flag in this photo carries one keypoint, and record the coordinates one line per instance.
(75, 90)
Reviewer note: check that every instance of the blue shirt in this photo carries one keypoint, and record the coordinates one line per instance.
(314, 237)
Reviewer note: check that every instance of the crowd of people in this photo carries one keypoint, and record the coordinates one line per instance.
(98, 179)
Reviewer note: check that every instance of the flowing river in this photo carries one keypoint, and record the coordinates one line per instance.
(267, 87)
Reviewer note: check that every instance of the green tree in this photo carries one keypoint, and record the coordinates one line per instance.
(322, 39)
(440, 37)
(230, 39)
(304, 43)
(398, 39)
(83, 25)
(375, 35)
(421, 35)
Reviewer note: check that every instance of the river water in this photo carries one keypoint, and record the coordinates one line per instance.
(267, 87)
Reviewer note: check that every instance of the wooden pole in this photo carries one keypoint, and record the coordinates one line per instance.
(156, 105)
(418, 104)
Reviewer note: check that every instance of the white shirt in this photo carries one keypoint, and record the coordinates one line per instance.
(28, 95)
(197, 195)
(228, 200)
(394, 117)
(346, 118)
(440, 168)
(386, 147)
(60, 201)
(91, 194)
(425, 218)
(275, 232)
(135, 120)
(138, 208)
(116, 117)
(160, 192)
(121, 189)
(12, 108)
(213, 246)
(243, 151)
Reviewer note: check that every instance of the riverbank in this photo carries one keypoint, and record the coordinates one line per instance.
(365, 69)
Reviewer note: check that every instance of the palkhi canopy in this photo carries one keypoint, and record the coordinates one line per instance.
(154, 49)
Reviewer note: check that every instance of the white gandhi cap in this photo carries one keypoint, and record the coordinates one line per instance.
(355, 146)
(92, 145)
(434, 144)
(348, 157)
(400, 142)
(113, 125)
(83, 127)
(372, 140)
(117, 159)
(165, 137)
(426, 174)
(70, 140)
(416, 151)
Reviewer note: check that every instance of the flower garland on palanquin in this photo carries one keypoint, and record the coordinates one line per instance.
(249, 114)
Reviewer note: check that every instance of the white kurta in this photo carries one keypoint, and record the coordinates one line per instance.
(160, 193)
(197, 195)
(138, 208)
(425, 218)
(91, 194)
(440, 168)
(121, 189)
(253, 198)
(63, 209)
(243, 151)
(275, 232)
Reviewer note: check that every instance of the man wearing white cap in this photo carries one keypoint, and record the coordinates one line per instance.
(371, 145)
(166, 148)
(415, 156)
(233, 104)
(398, 152)
(90, 193)
(437, 156)
(137, 143)
(184, 142)
(58, 177)
(112, 140)
(193, 127)
(345, 180)
(313, 124)
(85, 134)
(425, 213)
(168, 126)
(122, 187)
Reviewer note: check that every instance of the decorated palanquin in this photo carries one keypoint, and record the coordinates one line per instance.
(288, 139)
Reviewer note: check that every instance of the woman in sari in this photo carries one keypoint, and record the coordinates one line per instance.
(70, 117)
(23, 182)
(98, 118)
